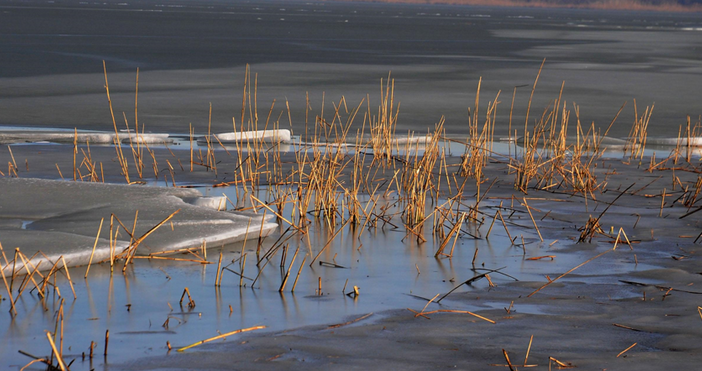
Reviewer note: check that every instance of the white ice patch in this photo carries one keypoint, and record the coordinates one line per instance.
(419, 139)
(276, 136)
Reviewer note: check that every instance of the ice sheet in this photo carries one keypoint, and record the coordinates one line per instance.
(281, 135)
(64, 136)
(61, 218)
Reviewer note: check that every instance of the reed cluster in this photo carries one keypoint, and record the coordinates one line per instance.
(367, 176)
(364, 174)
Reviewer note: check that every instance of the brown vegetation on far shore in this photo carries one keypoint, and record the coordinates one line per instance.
(647, 5)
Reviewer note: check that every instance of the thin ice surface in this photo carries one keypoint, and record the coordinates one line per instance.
(61, 218)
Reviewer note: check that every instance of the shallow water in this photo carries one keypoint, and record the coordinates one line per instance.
(391, 272)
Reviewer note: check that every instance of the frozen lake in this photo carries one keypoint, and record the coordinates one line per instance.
(313, 57)
(191, 54)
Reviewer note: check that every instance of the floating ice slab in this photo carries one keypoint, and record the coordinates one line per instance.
(412, 139)
(61, 218)
(395, 140)
(94, 137)
(281, 135)
(621, 142)
(694, 141)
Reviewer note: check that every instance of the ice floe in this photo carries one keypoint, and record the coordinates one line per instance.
(281, 135)
(48, 219)
(68, 136)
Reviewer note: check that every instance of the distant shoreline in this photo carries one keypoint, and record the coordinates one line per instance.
(661, 6)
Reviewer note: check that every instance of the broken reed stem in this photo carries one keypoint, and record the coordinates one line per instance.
(59, 359)
(45, 281)
(533, 88)
(276, 214)
(90, 261)
(287, 274)
(626, 350)
(107, 341)
(9, 291)
(330, 241)
(300, 270)
(219, 271)
(190, 132)
(242, 267)
(2, 252)
(68, 275)
(424, 314)
(455, 230)
(27, 263)
(526, 358)
(509, 364)
(113, 242)
(350, 322)
(199, 260)
(59, 171)
(131, 250)
(571, 270)
(429, 302)
(124, 165)
(220, 337)
(14, 163)
(499, 213)
(75, 136)
(36, 360)
(559, 363)
(191, 302)
(487, 236)
(532, 219)
(619, 235)
(61, 334)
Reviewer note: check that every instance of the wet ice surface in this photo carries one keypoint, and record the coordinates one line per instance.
(391, 270)
(384, 269)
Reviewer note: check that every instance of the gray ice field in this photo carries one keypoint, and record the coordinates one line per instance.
(191, 56)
